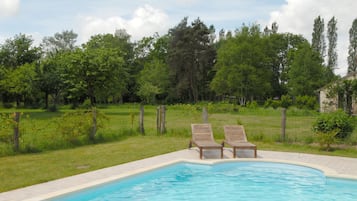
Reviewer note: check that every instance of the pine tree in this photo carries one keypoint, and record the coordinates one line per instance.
(318, 37)
(352, 49)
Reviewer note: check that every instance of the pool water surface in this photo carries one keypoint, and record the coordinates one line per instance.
(223, 181)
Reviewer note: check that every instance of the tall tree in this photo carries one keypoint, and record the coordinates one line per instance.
(242, 69)
(59, 42)
(305, 71)
(20, 82)
(50, 81)
(332, 44)
(277, 48)
(18, 51)
(318, 37)
(191, 57)
(352, 49)
(153, 79)
(15, 53)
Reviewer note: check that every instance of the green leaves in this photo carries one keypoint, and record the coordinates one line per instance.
(336, 121)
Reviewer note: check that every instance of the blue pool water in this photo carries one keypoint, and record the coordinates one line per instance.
(246, 181)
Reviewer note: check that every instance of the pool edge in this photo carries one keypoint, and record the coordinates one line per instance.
(326, 171)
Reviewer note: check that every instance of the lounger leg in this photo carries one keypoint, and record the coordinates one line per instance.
(221, 152)
(234, 152)
(255, 152)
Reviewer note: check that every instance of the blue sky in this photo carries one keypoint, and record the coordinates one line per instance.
(40, 18)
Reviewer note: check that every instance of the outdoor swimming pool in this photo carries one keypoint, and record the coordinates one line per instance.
(223, 181)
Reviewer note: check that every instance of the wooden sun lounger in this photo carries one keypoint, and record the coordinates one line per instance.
(236, 138)
(202, 137)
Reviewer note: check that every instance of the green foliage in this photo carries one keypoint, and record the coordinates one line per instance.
(338, 121)
(352, 48)
(325, 139)
(272, 103)
(306, 102)
(286, 101)
(318, 37)
(305, 65)
(6, 128)
(75, 127)
(241, 66)
(191, 56)
(222, 107)
(153, 80)
(252, 104)
(332, 45)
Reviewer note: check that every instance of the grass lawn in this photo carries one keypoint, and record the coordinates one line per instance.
(122, 143)
(24, 170)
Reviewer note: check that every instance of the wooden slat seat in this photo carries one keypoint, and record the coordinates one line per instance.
(202, 137)
(236, 138)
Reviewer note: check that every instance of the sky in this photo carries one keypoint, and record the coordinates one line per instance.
(41, 18)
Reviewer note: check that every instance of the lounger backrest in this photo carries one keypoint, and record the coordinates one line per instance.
(235, 133)
(202, 132)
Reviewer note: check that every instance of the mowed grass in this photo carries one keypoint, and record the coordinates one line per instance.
(24, 170)
(122, 143)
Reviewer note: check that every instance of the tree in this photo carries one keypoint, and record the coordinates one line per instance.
(18, 51)
(277, 48)
(153, 79)
(19, 82)
(15, 53)
(50, 81)
(352, 49)
(191, 57)
(50, 77)
(242, 69)
(97, 71)
(304, 71)
(318, 37)
(332, 43)
(64, 41)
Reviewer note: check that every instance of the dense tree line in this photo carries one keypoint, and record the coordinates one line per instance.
(188, 64)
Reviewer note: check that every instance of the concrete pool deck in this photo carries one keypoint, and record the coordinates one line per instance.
(331, 165)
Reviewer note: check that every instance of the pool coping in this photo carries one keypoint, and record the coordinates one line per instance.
(328, 172)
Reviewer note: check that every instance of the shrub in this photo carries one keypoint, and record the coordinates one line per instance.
(286, 101)
(306, 102)
(252, 104)
(76, 126)
(325, 139)
(339, 121)
(6, 128)
(272, 103)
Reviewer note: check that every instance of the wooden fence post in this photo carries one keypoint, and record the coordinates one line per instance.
(141, 120)
(204, 115)
(160, 119)
(16, 131)
(163, 118)
(283, 124)
(94, 126)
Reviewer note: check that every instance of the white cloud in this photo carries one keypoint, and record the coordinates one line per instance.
(145, 21)
(297, 16)
(9, 7)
